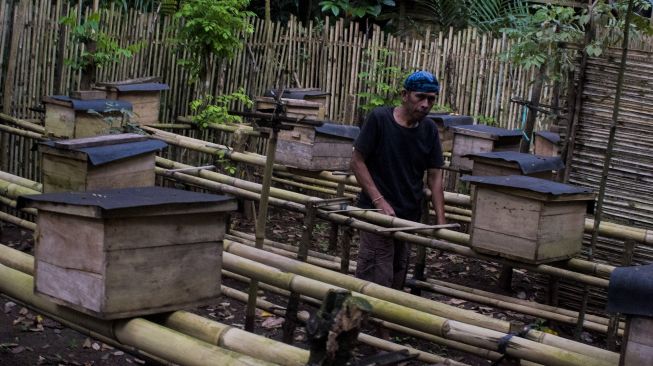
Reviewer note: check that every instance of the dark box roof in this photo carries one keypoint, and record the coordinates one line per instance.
(333, 129)
(98, 155)
(490, 130)
(139, 87)
(108, 200)
(528, 184)
(528, 163)
(631, 290)
(449, 120)
(297, 93)
(98, 105)
(549, 136)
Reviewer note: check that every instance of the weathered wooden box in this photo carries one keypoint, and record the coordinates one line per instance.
(102, 162)
(481, 138)
(294, 108)
(547, 143)
(527, 219)
(328, 147)
(74, 118)
(129, 252)
(145, 98)
(514, 163)
(445, 122)
(629, 294)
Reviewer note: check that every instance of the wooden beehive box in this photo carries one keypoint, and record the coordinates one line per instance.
(129, 252)
(445, 122)
(481, 138)
(75, 118)
(145, 98)
(294, 108)
(514, 163)
(629, 294)
(527, 219)
(547, 143)
(328, 147)
(109, 161)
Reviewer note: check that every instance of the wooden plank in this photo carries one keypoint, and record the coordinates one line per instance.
(136, 171)
(88, 125)
(61, 174)
(154, 231)
(146, 280)
(100, 141)
(55, 245)
(70, 287)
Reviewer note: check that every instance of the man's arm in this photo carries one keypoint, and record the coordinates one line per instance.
(364, 179)
(434, 181)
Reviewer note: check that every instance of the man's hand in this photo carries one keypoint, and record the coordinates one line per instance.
(385, 207)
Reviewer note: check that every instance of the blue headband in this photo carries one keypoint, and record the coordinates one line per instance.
(422, 81)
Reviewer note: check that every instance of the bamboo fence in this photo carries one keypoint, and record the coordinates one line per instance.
(329, 55)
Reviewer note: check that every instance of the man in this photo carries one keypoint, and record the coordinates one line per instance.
(394, 148)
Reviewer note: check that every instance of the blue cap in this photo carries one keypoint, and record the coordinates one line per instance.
(422, 81)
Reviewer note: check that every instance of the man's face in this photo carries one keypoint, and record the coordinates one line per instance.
(417, 104)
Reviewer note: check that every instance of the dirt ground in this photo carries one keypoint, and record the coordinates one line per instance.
(26, 338)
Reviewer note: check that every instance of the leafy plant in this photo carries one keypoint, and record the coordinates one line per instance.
(210, 109)
(211, 28)
(100, 48)
(486, 120)
(355, 9)
(383, 80)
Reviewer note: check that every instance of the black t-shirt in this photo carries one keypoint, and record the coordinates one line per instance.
(397, 157)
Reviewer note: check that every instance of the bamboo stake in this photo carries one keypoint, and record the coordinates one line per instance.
(139, 333)
(193, 325)
(470, 334)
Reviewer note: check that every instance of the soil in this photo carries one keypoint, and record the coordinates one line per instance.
(26, 338)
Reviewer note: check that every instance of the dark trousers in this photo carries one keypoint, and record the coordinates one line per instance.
(382, 260)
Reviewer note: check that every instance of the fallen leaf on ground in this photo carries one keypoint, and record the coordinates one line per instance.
(23, 311)
(95, 346)
(9, 306)
(272, 322)
(87, 343)
(265, 314)
(456, 301)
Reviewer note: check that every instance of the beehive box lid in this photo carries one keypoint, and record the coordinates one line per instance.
(528, 163)
(541, 189)
(336, 130)
(450, 120)
(485, 131)
(109, 148)
(97, 105)
(298, 93)
(137, 87)
(552, 137)
(128, 202)
(630, 290)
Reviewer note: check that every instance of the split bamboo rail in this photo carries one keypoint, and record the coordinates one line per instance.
(471, 334)
(139, 333)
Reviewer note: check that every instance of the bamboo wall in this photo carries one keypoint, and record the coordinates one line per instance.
(328, 55)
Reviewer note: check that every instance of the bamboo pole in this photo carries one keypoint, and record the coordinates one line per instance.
(423, 321)
(139, 333)
(362, 337)
(23, 182)
(22, 123)
(193, 325)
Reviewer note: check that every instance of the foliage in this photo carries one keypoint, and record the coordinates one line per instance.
(210, 109)
(212, 27)
(486, 120)
(107, 50)
(383, 81)
(537, 37)
(355, 9)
